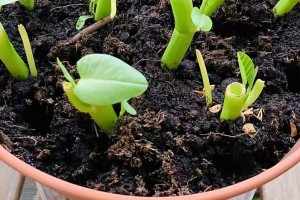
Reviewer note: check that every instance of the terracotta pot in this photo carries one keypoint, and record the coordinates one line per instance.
(76, 192)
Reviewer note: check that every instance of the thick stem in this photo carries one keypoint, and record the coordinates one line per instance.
(176, 49)
(103, 9)
(105, 117)
(29, 4)
(284, 6)
(11, 58)
(182, 35)
(234, 101)
(208, 7)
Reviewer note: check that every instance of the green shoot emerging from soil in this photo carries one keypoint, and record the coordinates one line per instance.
(11, 58)
(99, 9)
(205, 79)
(188, 21)
(237, 97)
(208, 7)
(284, 7)
(104, 81)
(29, 4)
(102, 8)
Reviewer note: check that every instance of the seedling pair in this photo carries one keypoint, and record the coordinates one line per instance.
(188, 20)
(11, 59)
(29, 4)
(104, 81)
(238, 96)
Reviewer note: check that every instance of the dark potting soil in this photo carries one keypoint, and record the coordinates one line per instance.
(175, 145)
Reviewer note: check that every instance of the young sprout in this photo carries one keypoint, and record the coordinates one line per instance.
(29, 4)
(104, 81)
(99, 9)
(283, 7)
(188, 21)
(28, 50)
(207, 87)
(11, 58)
(102, 8)
(237, 96)
(208, 7)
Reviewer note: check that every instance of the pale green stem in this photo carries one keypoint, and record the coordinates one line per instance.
(182, 35)
(11, 58)
(234, 101)
(284, 6)
(29, 4)
(208, 7)
(104, 116)
(176, 49)
(103, 9)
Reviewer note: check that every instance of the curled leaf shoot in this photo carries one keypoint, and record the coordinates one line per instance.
(255, 92)
(29, 4)
(188, 21)
(28, 50)
(102, 8)
(11, 58)
(237, 97)
(81, 21)
(248, 72)
(104, 81)
(205, 79)
(208, 7)
(283, 7)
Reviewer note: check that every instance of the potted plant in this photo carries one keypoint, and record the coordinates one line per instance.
(177, 144)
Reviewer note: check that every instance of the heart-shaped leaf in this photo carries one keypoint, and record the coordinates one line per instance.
(107, 80)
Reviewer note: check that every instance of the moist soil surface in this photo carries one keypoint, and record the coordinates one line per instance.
(175, 145)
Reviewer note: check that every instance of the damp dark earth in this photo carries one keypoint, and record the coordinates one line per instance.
(175, 145)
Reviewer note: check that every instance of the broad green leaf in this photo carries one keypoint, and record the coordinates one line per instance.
(202, 22)
(81, 21)
(248, 72)
(107, 80)
(66, 73)
(255, 92)
(5, 2)
(128, 107)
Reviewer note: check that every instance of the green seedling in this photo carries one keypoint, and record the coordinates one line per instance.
(99, 9)
(29, 4)
(284, 7)
(239, 96)
(188, 21)
(11, 59)
(104, 81)
(208, 7)
(28, 50)
(205, 79)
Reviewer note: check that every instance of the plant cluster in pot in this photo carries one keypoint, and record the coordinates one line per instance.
(181, 142)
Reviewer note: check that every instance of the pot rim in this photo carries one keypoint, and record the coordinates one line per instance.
(73, 191)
